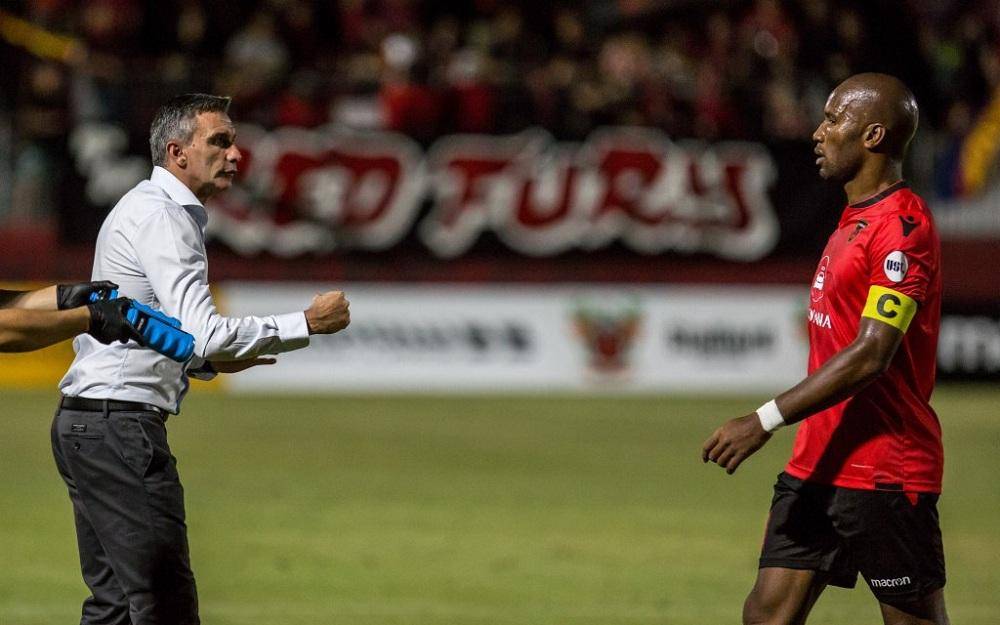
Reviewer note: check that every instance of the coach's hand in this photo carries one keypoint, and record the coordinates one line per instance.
(235, 366)
(108, 322)
(328, 313)
(734, 442)
(74, 295)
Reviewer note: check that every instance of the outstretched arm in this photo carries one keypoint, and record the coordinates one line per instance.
(170, 249)
(56, 297)
(842, 376)
(40, 299)
(27, 330)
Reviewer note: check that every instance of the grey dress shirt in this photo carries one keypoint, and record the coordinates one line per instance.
(152, 245)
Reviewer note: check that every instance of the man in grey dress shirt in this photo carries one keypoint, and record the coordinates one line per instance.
(109, 437)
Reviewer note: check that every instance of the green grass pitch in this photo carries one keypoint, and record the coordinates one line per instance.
(475, 510)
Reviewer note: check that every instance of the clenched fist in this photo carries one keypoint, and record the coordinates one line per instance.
(328, 313)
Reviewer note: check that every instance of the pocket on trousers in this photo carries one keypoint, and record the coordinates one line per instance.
(136, 448)
(80, 444)
(79, 434)
(160, 463)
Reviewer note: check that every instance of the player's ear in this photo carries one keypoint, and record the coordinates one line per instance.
(874, 135)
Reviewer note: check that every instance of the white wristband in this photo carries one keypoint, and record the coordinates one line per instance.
(770, 417)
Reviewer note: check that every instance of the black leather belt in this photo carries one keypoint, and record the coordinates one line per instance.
(111, 405)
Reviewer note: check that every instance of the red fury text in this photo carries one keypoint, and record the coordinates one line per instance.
(316, 190)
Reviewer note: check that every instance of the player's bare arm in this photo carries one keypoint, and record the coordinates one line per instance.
(23, 330)
(56, 297)
(41, 299)
(842, 376)
(26, 330)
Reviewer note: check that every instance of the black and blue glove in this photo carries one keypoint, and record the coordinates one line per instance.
(158, 331)
(109, 321)
(80, 294)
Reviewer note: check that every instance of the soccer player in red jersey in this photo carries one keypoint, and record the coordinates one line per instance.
(860, 491)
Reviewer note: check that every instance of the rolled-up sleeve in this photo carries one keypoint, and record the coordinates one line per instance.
(169, 246)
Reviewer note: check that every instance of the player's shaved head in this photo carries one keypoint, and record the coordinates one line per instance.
(881, 99)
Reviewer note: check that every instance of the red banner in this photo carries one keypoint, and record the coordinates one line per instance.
(307, 191)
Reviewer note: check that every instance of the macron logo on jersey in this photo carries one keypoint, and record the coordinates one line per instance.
(820, 319)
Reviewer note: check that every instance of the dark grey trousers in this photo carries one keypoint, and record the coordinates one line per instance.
(129, 509)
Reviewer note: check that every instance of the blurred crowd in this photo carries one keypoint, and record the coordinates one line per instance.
(748, 70)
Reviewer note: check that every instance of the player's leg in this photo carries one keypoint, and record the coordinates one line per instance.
(927, 610)
(782, 596)
(107, 603)
(895, 540)
(801, 554)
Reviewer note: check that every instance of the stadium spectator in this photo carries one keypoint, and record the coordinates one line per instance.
(712, 72)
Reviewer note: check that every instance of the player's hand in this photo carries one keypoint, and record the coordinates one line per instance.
(235, 366)
(109, 324)
(74, 295)
(734, 442)
(328, 313)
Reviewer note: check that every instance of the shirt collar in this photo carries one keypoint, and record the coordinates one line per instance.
(881, 195)
(869, 206)
(176, 189)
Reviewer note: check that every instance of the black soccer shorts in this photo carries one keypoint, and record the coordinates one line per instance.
(894, 543)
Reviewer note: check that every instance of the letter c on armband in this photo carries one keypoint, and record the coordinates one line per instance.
(889, 306)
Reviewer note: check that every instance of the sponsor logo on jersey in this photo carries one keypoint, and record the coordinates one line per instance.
(892, 582)
(862, 224)
(895, 266)
(819, 281)
(820, 319)
(909, 223)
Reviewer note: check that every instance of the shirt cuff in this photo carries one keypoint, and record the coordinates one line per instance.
(200, 369)
(293, 331)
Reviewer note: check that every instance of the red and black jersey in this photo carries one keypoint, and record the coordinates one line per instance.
(883, 261)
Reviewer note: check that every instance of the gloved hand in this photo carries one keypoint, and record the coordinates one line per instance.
(108, 321)
(73, 295)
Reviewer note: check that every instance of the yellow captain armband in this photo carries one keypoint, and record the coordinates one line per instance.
(890, 307)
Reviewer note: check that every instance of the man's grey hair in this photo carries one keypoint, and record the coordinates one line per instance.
(176, 121)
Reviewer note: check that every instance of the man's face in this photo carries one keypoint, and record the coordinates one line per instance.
(212, 156)
(839, 137)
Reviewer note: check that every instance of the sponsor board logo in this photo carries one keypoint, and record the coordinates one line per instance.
(726, 341)
(607, 337)
(895, 266)
(820, 319)
(816, 293)
(470, 340)
(304, 191)
(893, 582)
(969, 345)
